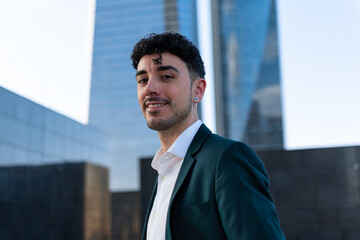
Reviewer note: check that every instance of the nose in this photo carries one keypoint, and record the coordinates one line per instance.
(152, 87)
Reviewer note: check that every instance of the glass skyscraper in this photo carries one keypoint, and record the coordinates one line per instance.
(31, 134)
(119, 24)
(247, 72)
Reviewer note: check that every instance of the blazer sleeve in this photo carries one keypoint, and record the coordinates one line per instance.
(243, 199)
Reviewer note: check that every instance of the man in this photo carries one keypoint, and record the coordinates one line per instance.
(208, 187)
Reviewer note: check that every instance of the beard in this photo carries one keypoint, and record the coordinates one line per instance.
(162, 124)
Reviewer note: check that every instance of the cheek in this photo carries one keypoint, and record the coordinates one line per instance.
(178, 91)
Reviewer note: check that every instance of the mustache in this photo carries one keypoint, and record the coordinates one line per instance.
(156, 99)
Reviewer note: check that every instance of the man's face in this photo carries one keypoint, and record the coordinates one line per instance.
(164, 91)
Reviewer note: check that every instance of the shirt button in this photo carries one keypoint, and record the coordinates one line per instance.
(163, 178)
(155, 215)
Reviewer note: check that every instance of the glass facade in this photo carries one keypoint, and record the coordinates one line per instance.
(248, 72)
(31, 134)
(113, 100)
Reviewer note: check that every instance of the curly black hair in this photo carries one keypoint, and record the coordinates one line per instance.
(173, 43)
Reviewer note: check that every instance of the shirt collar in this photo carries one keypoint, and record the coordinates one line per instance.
(180, 146)
(182, 143)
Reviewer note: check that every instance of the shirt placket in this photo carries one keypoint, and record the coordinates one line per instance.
(165, 161)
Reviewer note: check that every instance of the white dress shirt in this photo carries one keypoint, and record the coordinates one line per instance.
(168, 166)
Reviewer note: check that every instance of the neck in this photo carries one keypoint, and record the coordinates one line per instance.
(168, 137)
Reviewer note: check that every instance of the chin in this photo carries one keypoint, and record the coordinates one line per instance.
(159, 124)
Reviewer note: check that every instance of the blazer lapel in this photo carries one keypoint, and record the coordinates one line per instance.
(189, 160)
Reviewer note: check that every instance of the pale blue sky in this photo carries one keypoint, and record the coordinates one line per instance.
(320, 57)
(45, 52)
(45, 55)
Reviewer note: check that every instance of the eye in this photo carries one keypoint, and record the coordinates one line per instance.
(166, 77)
(142, 80)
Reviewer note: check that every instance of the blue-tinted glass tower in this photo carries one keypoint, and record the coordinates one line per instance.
(119, 24)
(31, 134)
(247, 72)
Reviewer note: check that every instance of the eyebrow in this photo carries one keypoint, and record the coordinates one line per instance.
(167, 67)
(140, 72)
(161, 68)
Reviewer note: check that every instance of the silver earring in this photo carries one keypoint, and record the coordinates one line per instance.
(196, 99)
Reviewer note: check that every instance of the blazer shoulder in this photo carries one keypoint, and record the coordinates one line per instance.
(227, 151)
(221, 143)
(206, 140)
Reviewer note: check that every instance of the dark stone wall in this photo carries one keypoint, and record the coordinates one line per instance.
(129, 208)
(97, 203)
(126, 222)
(316, 192)
(147, 181)
(48, 202)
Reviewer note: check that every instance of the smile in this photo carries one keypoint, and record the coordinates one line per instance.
(155, 105)
(154, 102)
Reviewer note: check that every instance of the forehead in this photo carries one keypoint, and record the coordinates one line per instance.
(167, 59)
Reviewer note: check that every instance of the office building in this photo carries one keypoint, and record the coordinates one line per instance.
(54, 176)
(113, 101)
(31, 134)
(55, 201)
(247, 72)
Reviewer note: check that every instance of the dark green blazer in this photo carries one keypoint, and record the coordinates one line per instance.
(221, 193)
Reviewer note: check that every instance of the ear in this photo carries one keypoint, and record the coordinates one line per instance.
(198, 88)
